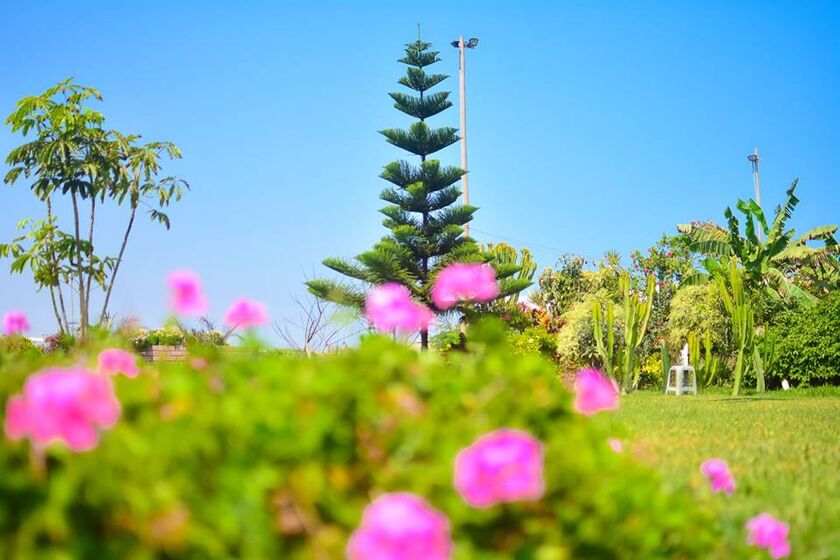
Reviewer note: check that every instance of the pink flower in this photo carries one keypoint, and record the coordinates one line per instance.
(401, 526)
(615, 444)
(502, 466)
(720, 479)
(67, 405)
(768, 532)
(246, 313)
(114, 360)
(390, 307)
(594, 392)
(15, 322)
(187, 295)
(460, 281)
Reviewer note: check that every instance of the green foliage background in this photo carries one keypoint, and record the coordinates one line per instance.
(808, 344)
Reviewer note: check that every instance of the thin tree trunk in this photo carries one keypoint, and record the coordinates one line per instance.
(55, 310)
(63, 308)
(90, 240)
(65, 325)
(79, 269)
(117, 265)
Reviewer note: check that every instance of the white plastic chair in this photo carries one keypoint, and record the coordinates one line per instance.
(681, 379)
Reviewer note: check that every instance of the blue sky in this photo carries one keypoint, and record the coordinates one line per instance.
(591, 127)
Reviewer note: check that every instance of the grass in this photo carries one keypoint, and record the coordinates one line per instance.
(782, 447)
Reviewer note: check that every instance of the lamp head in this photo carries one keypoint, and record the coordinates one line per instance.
(473, 42)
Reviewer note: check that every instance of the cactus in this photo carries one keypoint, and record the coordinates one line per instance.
(666, 362)
(764, 358)
(710, 363)
(694, 355)
(605, 350)
(636, 316)
(739, 308)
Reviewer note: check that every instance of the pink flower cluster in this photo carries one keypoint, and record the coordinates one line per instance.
(68, 405)
(401, 526)
(502, 466)
(15, 322)
(720, 478)
(464, 282)
(187, 294)
(390, 307)
(594, 392)
(765, 531)
(246, 313)
(114, 360)
(188, 299)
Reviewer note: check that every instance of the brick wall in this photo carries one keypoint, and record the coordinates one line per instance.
(158, 353)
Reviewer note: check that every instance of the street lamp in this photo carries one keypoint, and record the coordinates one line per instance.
(462, 45)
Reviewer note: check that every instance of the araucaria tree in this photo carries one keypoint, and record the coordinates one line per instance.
(425, 223)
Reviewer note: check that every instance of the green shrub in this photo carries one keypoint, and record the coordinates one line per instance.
(698, 309)
(17, 346)
(265, 456)
(167, 336)
(808, 344)
(533, 340)
(576, 341)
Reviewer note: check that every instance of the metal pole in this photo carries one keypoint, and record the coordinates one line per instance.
(754, 159)
(462, 70)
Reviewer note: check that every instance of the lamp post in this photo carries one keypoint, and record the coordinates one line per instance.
(462, 46)
(754, 159)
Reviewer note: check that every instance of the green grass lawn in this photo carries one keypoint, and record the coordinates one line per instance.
(782, 447)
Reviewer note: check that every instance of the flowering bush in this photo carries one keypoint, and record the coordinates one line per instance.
(256, 455)
(166, 336)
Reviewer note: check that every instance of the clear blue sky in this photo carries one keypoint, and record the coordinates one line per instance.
(591, 127)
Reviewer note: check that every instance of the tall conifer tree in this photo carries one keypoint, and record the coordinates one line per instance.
(425, 223)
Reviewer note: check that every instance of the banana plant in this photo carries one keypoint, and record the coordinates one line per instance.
(606, 349)
(773, 258)
(738, 306)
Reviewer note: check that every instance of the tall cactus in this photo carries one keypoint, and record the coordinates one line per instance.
(737, 303)
(764, 358)
(711, 363)
(636, 317)
(606, 350)
(666, 361)
(694, 352)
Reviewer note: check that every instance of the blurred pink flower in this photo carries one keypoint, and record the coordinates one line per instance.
(615, 444)
(401, 526)
(720, 478)
(594, 392)
(390, 307)
(15, 322)
(187, 295)
(462, 281)
(114, 360)
(68, 405)
(765, 531)
(502, 466)
(246, 313)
